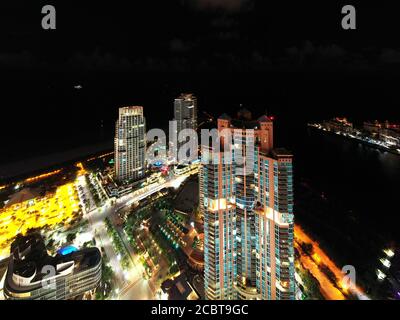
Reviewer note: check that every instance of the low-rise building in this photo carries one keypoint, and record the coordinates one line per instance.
(32, 274)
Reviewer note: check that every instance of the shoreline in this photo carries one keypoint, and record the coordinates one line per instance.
(367, 143)
(21, 169)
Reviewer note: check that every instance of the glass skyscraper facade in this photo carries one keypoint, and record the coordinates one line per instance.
(252, 199)
(130, 144)
(185, 114)
(219, 224)
(185, 111)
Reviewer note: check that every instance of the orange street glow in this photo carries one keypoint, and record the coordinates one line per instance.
(42, 176)
(59, 208)
(328, 289)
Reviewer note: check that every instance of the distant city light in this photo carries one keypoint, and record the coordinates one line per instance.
(162, 295)
(380, 274)
(385, 262)
(389, 252)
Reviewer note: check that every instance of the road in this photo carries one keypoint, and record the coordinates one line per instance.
(328, 289)
(96, 219)
(98, 229)
(131, 283)
(140, 194)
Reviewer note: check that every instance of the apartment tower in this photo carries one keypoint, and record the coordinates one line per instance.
(130, 144)
(257, 187)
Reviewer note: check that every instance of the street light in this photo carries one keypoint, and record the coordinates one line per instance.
(380, 274)
(385, 262)
(389, 252)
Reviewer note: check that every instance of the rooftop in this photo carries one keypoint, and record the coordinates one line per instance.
(186, 96)
(179, 288)
(29, 256)
(25, 194)
(245, 120)
(282, 152)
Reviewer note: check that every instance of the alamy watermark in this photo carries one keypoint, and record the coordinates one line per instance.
(349, 277)
(49, 282)
(348, 21)
(49, 18)
(225, 146)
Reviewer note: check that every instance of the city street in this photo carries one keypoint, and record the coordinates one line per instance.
(327, 288)
(131, 284)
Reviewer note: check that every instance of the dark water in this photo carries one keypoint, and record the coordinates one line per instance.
(347, 197)
(362, 181)
(358, 174)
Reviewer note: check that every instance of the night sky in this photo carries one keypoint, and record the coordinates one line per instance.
(197, 35)
(289, 57)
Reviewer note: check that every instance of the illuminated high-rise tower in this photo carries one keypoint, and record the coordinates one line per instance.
(261, 197)
(185, 111)
(218, 209)
(274, 223)
(185, 114)
(130, 144)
